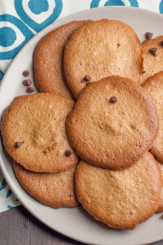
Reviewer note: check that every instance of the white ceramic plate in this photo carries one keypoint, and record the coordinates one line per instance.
(75, 223)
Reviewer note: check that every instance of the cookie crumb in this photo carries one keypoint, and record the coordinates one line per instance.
(68, 153)
(26, 73)
(18, 144)
(148, 35)
(132, 212)
(153, 51)
(113, 100)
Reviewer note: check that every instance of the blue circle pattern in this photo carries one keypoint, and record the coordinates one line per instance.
(7, 36)
(23, 28)
(115, 3)
(43, 6)
(161, 7)
(40, 8)
(95, 3)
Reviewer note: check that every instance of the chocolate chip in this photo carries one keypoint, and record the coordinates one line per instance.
(143, 71)
(113, 100)
(27, 82)
(30, 89)
(161, 217)
(148, 35)
(86, 78)
(161, 43)
(68, 153)
(153, 51)
(26, 73)
(18, 144)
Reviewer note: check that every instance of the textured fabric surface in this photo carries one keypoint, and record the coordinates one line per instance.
(20, 20)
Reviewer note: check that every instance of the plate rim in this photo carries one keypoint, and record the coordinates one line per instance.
(56, 24)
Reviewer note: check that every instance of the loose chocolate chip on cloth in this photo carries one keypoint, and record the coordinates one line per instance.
(39, 121)
(148, 35)
(30, 90)
(120, 199)
(152, 57)
(48, 70)
(99, 49)
(112, 135)
(55, 190)
(27, 82)
(26, 73)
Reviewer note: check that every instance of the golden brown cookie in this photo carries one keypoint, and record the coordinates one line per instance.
(113, 123)
(99, 49)
(55, 190)
(154, 86)
(123, 198)
(153, 55)
(47, 60)
(34, 134)
(160, 207)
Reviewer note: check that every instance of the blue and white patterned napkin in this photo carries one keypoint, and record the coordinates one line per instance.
(20, 20)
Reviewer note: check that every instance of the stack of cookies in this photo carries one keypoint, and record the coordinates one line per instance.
(86, 136)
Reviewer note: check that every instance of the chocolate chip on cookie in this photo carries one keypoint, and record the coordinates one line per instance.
(86, 78)
(153, 56)
(113, 100)
(68, 153)
(161, 43)
(143, 71)
(153, 51)
(18, 144)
